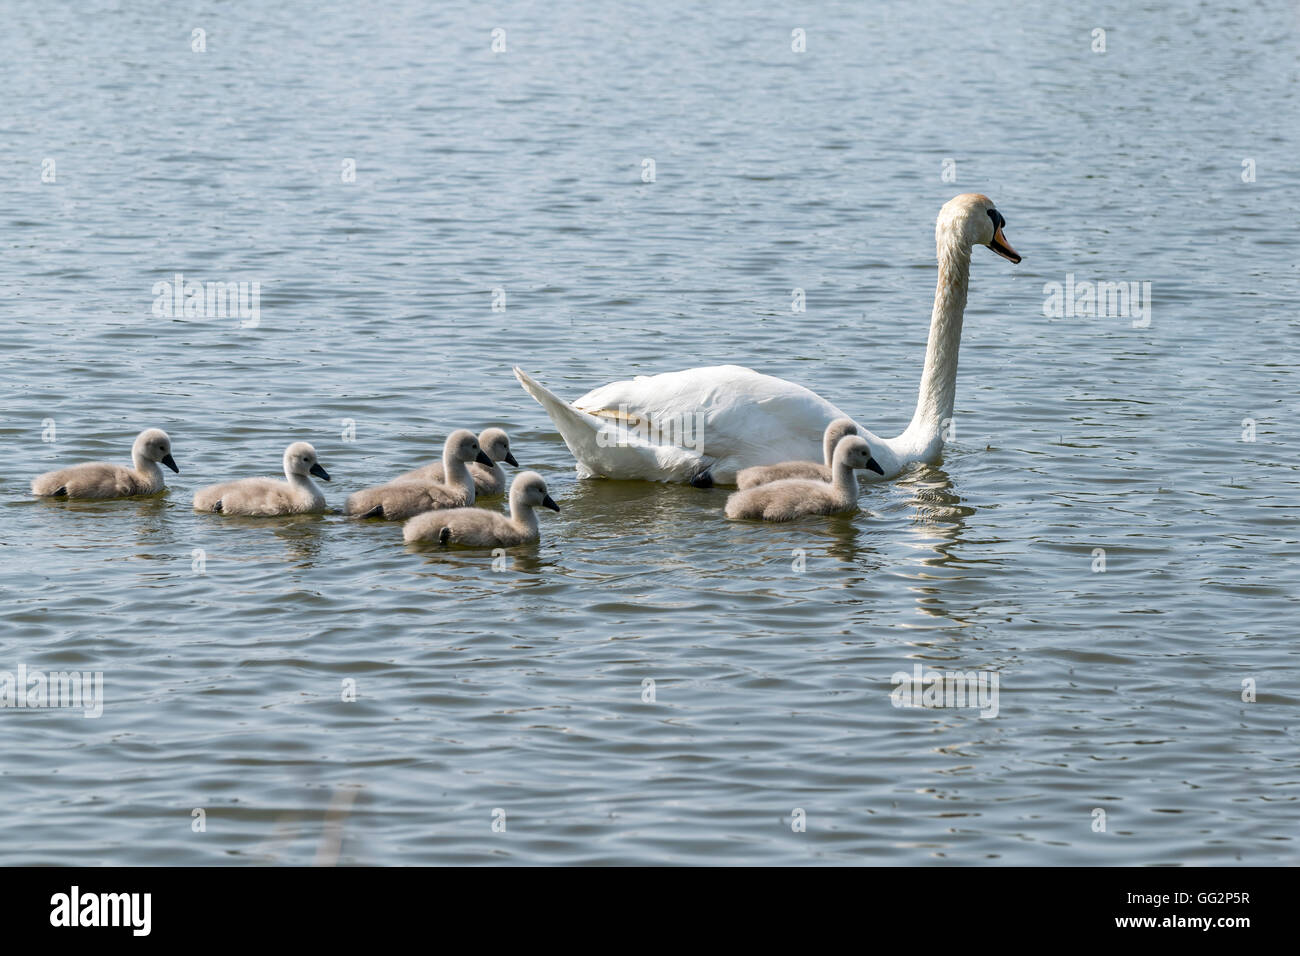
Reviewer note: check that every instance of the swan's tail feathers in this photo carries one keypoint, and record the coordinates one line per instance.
(574, 426)
(605, 450)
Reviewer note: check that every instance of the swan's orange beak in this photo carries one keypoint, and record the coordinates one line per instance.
(1002, 247)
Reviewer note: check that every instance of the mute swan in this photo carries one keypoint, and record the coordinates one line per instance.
(97, 479)
(737, 418)
(265, 497)
(480, 528)
(488, 482)
(796, 497)
(809, 470)
(400, 499)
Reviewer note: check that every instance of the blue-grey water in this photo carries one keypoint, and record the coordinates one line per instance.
(1156, 698)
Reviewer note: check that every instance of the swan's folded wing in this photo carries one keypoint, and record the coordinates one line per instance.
(744, 417)
(613, 448)
(728, 417)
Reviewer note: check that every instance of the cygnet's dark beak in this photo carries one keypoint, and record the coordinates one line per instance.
(549, 502)
(170, 462)
(872, 466)
(510, 459)
(483, 459)
(320, 472)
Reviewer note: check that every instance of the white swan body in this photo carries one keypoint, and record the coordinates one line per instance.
(737, 418)
(703, 425)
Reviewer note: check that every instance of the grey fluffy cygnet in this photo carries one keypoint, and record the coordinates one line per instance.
(480, 528)
(766, 474)
(488, 482)
(796, 497)
(404, 498)
(266, 497)
(98, 479)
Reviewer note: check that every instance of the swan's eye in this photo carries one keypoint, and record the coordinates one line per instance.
(998, 221)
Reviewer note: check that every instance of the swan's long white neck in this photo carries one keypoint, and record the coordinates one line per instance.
(938, 391)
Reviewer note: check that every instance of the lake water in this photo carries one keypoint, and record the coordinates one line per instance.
(519, 694)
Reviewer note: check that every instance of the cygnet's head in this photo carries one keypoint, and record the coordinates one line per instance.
(971, 219)
(856, 453)
(154, 445)
(839, 429)
(530, 488)
(300, 459)
(495, 443)
(463, 445)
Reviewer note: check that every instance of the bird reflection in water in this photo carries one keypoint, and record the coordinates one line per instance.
(939, 520)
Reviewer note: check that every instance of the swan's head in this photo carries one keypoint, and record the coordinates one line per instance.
(971, 219)
(154, 445)
(856, 453)
(300, 459)
(529, 488)
(496, 444)
(462, 445)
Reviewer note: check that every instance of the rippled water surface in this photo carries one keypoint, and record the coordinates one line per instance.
(519, 690)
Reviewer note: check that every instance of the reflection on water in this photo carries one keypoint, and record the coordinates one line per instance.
(524, 559)
(939, 514)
